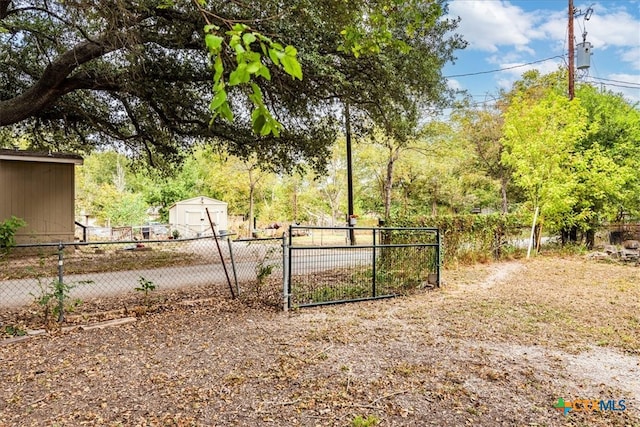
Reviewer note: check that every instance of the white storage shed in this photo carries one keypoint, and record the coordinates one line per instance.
(189, 216)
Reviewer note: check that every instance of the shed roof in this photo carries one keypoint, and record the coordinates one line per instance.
(39, 156)
(199, 200)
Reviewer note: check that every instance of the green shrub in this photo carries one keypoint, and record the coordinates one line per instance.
(8, 230)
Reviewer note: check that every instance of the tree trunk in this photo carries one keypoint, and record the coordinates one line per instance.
(434, 200)
(251, 191)
(295, 203)
(388, 185)
(590, 238)
(504, 180)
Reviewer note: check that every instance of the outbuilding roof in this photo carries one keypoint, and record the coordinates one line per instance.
(39, 156)
(200, 200)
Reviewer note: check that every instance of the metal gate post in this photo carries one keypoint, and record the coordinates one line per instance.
(373, 268)
(438, 248)
(286, 272)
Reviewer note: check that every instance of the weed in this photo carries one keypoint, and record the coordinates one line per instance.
(54, 299)
(264, 267)
(146, 286)
(14, 331)
(360, 421)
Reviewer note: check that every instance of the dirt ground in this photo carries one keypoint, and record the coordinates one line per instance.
(497, 344)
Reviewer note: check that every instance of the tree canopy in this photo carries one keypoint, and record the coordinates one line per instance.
(148, 75)
(576, 160)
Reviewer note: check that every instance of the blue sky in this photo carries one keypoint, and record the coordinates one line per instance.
(514, 35)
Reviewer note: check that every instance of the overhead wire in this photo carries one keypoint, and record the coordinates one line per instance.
(503, 69)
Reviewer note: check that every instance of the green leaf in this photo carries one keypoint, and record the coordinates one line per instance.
(218, 68)
(258, 123)
(239, 75)
(239, 48)
(248, 38)
(256, 97)
(219, 99)
(239, 27)
(273, 54)
(290, 51)
(225, 111)
(254, 67)
(209, 28)
(253, 56)
(213, 43)
(291, 66)
(264, 72)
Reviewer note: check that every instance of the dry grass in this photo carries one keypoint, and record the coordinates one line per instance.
(498, 344)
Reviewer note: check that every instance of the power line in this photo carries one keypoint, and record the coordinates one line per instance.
(504, 69)
(616, 81)
(615, 85)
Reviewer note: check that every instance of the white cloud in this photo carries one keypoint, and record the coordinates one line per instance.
(506, 78)
(506, 33)
(632, 56)
(488, 25)
(454, 84)
(631, 78)
(613, 29)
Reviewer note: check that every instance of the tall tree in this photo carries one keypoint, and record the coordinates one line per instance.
(539, 140)
(148, 75)
(482, 127)
(608, 172)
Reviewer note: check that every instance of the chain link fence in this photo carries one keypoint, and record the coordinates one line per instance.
(102, 269)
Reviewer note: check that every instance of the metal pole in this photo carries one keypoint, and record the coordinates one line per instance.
(289, 263)
(373, 269)
(285, 271)
(224, 265)
(60, 285)
(347, 123)
(571, 57)
(233, 267)
(438, 249)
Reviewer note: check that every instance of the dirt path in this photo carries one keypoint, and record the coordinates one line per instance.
(597, 364)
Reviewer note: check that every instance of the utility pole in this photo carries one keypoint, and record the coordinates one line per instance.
(571, 58)
(347, 124)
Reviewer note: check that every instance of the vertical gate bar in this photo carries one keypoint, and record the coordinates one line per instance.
(438, 248)
(290, 262)
(373, 269)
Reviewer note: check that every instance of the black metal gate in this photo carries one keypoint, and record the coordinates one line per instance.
(323, 266)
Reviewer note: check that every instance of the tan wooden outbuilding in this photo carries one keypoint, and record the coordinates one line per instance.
(40, 189)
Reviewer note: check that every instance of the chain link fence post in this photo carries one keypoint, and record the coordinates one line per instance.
(285, 271)
(58, 289)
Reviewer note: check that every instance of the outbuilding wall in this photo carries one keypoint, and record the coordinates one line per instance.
(42, 194)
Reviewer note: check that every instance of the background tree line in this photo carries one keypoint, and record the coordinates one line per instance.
(577, 161)
(245, 103)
